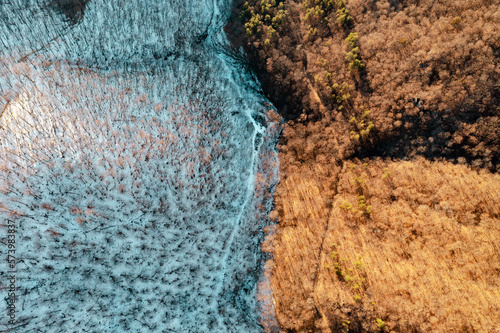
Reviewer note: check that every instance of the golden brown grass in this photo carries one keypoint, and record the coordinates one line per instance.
(429, 250)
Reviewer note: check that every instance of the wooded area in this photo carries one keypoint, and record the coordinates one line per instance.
(388, 201)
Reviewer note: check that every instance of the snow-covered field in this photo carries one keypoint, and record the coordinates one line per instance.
(136, 159)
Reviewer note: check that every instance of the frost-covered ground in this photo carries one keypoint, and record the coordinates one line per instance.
(136, 158)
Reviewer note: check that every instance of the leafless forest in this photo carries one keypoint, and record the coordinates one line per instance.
(388, 201)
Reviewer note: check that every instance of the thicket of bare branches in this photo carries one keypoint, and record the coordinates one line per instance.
(387, 246)
(427, 71)
(369, 244)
